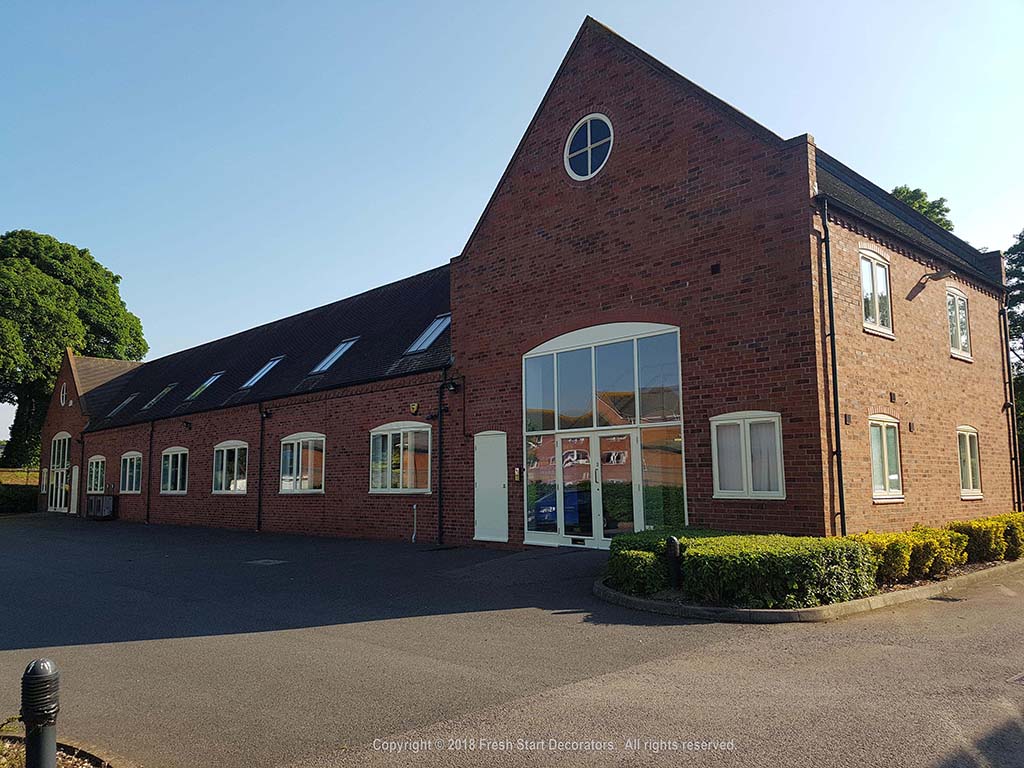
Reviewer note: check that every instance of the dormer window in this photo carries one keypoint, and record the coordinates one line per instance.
(429, 336)
(588, 147)
(205, 385)
(332, 358)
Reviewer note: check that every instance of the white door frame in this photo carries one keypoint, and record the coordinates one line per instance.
(490, 503)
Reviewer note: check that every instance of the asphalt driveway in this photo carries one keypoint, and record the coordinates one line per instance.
(187, 646)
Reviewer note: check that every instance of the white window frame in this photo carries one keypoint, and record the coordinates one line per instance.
(884, 420)
(96, 475)
(297, 439)
(335, 354)
(204, 386)
(42, 481)
(430, 334)
(959, 298)
(64, 393)
(588, 147)
(230, 445)
(744, 419)
(970, 433)
(123, 405)
(132, 457)
(876, 260)
(167, 453)
(403, 427)
(159, 396)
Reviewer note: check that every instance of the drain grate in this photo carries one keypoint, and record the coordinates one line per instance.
(1018, 680)
(265, 562)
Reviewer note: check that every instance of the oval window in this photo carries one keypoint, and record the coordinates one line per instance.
(588, 147)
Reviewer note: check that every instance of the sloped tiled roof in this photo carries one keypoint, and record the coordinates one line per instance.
(96, 379)
(855, 193)
(386, 320)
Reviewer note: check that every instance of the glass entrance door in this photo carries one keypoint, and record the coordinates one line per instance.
(596, 487)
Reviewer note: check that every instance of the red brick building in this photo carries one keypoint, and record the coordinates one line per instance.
(638, 333)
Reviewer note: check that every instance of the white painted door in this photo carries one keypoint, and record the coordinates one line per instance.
(73, 500)
(490, 497)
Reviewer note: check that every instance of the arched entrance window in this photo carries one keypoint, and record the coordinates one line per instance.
(60, 461)
(602, 420)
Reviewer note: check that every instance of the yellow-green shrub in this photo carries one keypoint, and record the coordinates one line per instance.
(917, 554)
(892, 555)
(1014, 534)
(986, 538)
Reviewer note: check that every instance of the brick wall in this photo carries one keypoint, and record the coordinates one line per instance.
(696, 221)
(934, 391)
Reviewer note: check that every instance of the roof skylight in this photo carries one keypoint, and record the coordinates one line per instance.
(429, 336)
(203, 387)
(332, 358)
(157, 399)
(262, 371)
(122, 406)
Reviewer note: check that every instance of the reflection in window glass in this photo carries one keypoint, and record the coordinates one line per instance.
(882, 290)
(662, 454)
(954, 336)
(575, 390)
(764, 456)
(877, 465)
(659, 378)
(541, 501)
(378, 461)
(616, 387)
(867, 286)
(540, 393)
(400, 461)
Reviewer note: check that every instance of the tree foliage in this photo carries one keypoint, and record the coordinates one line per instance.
(53, 295)
(936, 209)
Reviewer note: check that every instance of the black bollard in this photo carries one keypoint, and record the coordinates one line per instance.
(40, 703)
(672, 553)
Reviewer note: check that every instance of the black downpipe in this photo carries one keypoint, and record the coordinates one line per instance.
(838, 453)
(259, 470)
(149, 470)
(440, 455)
(1012, 407)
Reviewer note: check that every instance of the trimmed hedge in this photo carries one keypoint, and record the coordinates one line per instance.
(654, 540)
(986, 539)
(776, 571)
(921, 553)
(637, 572)
(1014, 534)
(17, 498)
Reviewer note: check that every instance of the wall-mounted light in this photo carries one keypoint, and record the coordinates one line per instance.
(451, 385)
(187, 424)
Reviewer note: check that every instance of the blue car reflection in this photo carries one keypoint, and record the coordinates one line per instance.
(543, 515)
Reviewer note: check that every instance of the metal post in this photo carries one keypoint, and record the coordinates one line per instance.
(672, 553)
(40, 703)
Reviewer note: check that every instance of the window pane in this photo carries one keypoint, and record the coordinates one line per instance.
(241, 467)
(378, 461)
(218, 470)
(729, 456)
(975, 463)
(616, 388)
(541, 504)
(882, 292)
(288, 467)
(229, 469)
(954, 337)
(580, 164)
(965, 338)
(598, 155)
(764, 456)
(659, 378)
(575, 390)
(599, 131)
(396, 460)
(892, 455)
(540, 393)
(662, 456)
(579, 139)
(867, 287)
(315, 471)
(877, 459)
(136, 465)
(965, 465)
(165, 474)
(417, 460)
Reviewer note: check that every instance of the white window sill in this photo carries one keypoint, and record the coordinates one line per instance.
(173, 493)
(748, 497)
(310, 492)
(887, 499)
(961, 356)
(95, 493)
(970, 496)
(884, 333)
(130, 493)
(400, 492)
(228, 493)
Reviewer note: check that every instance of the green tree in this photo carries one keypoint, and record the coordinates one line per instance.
(53, 295)
(1014, 256)
(936, 209)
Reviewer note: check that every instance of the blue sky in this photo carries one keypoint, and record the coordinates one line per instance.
(239, 162)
